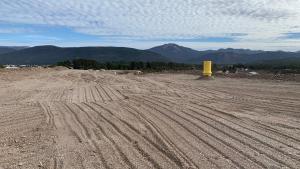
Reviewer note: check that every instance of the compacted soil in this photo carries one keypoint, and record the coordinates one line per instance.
(71, 119)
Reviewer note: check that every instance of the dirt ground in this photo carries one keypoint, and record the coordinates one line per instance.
(67, 119)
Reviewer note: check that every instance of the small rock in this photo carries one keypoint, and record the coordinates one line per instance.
(20, 164)
(40, 164)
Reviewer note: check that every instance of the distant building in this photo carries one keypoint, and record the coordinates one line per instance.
(11, 67)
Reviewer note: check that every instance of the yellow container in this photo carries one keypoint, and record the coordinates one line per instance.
(207, 68)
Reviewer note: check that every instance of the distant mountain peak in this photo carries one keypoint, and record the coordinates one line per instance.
(46, 46)
(174, 52)
(171, 46)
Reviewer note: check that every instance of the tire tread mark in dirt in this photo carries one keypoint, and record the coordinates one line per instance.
(164, 148)
(275, 100)
(225, 113)
(219, 151)
(235, 138)
(110, 90)
(95, 94)
(123, 156)
(100, 95)
(117, 94)
(124, 97)
(50, 115)
(70, 128)
(103, 89)
(270, 129)
(54, 163)
(265, 106)
(191, 132)
(92, 94)
(78, 94)
(81, 124)
(170, 155)
(85, 94)
(104, 94)
(58, 164)
(157, 136)
(62, 95)
(215, 137)
(93, 141)
(98, 150)
(286, 138)
(164, 136)
(140, 150)
(16, 116)
(21, 120)
(134, 130)
(242, 133)
(267, 144)
(255, 139)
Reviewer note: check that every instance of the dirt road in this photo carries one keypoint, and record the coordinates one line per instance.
(67, 119)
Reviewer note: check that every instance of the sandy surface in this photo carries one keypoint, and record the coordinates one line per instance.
(66, 119)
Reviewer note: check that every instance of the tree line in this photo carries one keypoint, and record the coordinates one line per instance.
(86, 64)
(292, 67)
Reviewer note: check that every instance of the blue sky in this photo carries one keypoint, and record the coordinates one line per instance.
(199, 24)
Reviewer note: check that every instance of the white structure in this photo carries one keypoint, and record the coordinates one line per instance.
(11, 67)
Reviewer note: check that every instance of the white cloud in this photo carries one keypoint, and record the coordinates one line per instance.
(262, 20)
(13, 30)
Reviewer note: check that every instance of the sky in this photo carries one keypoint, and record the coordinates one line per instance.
(199, 24)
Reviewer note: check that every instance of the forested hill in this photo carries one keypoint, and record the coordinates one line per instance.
(53, 54)
(181, 54)
(166, 53)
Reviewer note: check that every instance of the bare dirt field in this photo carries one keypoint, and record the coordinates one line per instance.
(67, 119)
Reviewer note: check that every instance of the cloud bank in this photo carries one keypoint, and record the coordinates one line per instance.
(240, 20)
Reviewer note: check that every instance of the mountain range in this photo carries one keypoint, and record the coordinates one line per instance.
(182, 54)
(45, 55)
(8, 49)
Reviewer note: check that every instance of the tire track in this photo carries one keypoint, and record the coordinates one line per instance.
(140, 115)
(275, 138)
(118, 95)
(94, 143)
(164, 150)
(271, 154)
(105, 92)
(160, 137)
(99, 93)
(88, 134)
(249, 129)
(64, 117)
(113, 93)
(132, 129)
(275, 150)
(118, 148)
(49, 114)
(215, 147)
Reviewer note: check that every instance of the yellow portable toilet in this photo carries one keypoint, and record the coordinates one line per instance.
(207, 68)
